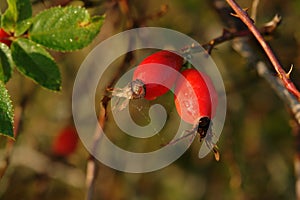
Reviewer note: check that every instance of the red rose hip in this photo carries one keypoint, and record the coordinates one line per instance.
(158, 72)
(196, 101)
(195, 96)
(153, 77)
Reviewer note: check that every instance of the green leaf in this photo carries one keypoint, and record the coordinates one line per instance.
(36, 63)
(22, 27)
(65, 29)
(6, 113)
(6, 63)
(17, 11)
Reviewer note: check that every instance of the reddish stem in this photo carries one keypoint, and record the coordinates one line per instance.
(249, 23)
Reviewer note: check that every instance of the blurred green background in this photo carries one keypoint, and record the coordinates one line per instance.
(257, 146)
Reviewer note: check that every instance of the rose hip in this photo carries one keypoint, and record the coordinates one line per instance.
(153, 77)
(196, 101)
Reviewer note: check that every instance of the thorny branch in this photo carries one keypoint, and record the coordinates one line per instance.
(246, 51)
(285, 77)
(243, 47)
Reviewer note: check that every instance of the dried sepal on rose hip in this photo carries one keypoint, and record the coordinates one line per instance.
(5, 37)
(196, 100)
(152, 78)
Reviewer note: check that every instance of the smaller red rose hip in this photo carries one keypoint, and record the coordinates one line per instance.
(196, 101)
(5, 37)
(153, 77)
(65, 142)
(195, 96)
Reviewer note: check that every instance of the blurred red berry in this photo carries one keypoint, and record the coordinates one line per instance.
(4, 37)
(65, 142)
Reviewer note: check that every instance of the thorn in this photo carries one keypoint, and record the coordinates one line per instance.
(289, 72)
(234, 15)
(245, 9)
